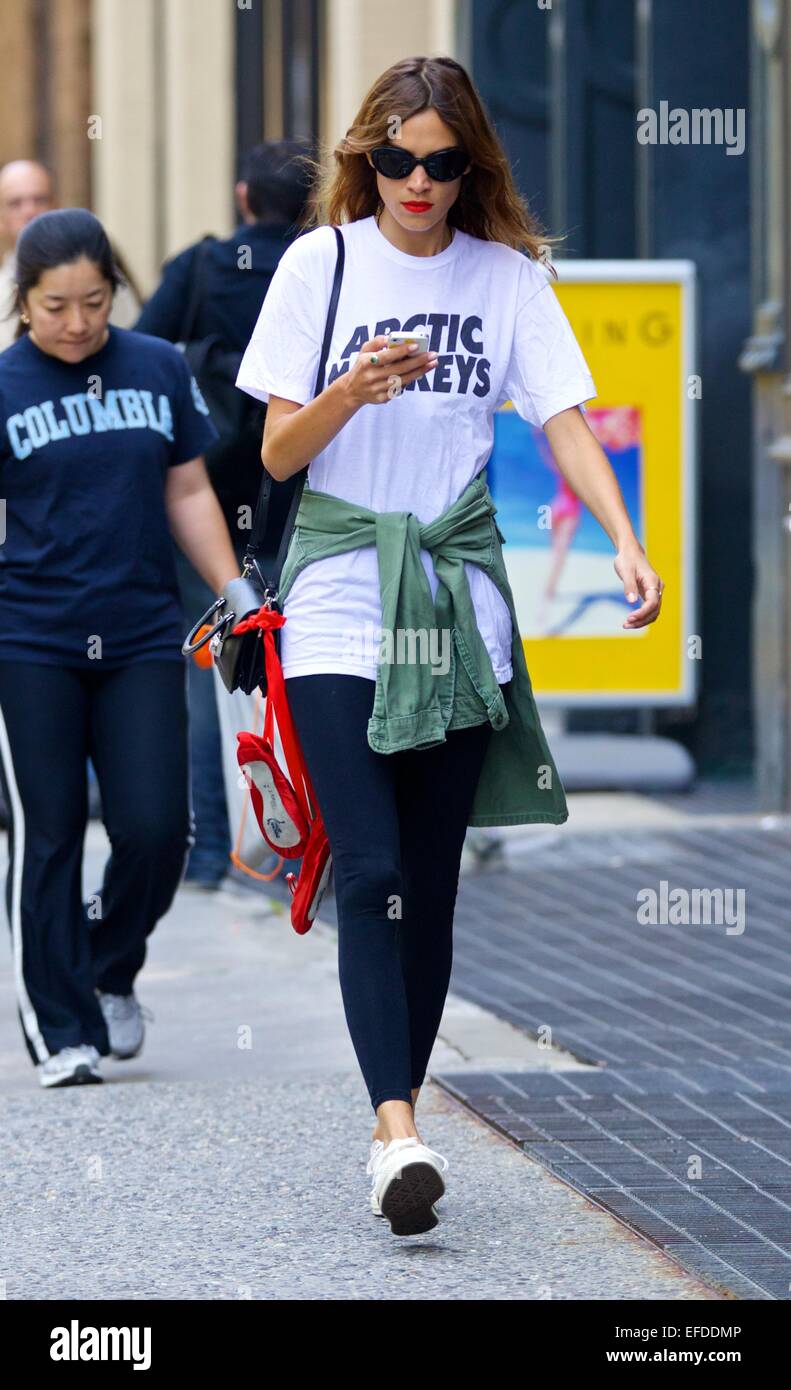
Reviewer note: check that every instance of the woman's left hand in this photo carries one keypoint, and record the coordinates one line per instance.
(631, 566)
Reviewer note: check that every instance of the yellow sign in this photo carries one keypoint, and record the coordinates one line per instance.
(634, 321)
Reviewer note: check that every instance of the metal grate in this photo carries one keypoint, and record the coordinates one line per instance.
(683, 1131)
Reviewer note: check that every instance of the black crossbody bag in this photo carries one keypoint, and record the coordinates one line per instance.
(240, 660)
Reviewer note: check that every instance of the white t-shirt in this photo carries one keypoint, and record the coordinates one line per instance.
(501, 335)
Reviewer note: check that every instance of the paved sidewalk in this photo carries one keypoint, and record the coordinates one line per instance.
(681, 1128)
(208, 1170)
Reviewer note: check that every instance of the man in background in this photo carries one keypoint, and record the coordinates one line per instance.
(214, 289)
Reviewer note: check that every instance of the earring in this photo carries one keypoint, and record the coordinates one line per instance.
(24, 318)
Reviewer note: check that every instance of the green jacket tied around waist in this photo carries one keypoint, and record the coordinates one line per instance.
(422, 690)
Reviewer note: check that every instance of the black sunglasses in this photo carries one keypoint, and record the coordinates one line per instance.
(442, 165)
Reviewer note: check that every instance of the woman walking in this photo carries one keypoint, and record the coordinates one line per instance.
(407, 747)
(103, 431)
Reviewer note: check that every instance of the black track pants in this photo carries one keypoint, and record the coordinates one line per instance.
(132, 722)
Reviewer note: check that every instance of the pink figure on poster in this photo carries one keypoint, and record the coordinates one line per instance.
(615, 429)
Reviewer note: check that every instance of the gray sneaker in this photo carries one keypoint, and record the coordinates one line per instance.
(72, 1066)
(123, 1015)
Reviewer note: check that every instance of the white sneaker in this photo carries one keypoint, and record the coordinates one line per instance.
(376, 1148)
(407, 1181)
(72, 1066)
(124, 1015)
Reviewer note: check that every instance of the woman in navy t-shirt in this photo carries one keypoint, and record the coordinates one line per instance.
(102, 432)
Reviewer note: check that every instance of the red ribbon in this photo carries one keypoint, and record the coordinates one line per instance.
(267, 620)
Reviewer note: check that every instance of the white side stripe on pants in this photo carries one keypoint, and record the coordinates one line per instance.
(29, 1019)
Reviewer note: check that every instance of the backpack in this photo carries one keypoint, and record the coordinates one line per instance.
(234, 460)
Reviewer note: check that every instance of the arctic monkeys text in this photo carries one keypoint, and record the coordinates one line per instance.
(461, 368)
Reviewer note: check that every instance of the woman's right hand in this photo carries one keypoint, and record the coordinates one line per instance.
(294, 433)
(373, 385)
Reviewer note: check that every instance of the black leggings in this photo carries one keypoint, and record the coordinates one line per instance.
(396, 825)
(132, 722)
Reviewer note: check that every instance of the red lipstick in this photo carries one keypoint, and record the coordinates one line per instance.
(417, 207)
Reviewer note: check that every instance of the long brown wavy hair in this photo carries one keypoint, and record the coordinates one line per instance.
(488, 205)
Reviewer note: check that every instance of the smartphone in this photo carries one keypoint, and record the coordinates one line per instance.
(396, 339)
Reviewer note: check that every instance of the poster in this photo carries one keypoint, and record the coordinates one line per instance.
(634, 321)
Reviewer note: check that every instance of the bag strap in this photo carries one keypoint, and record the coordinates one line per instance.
(278, 712)
(262, 505)
(197, 282)
(266, 621)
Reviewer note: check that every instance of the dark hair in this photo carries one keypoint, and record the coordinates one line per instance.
(57, 238)
(488, 206)
(278, 185)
